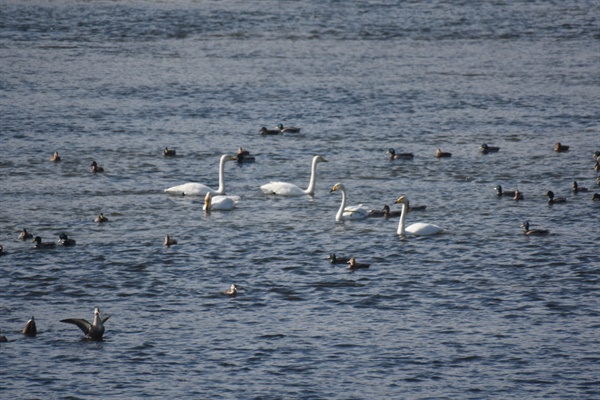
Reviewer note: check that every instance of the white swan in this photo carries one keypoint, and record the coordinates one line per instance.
(351, 212)
(288, 189)
(419, 228)
(219, 203)
(198, 189)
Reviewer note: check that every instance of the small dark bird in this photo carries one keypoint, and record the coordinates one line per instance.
(442, 154)
(93, 331)
(499, 192)
(533, 232)
(596, 196)
(169, 153)
(243, 156)
(560, 148)
(396, 156)
(30, 329)
(577, 188)
(337, 260)
(64, 240)
(101, 218)
(96, 168)
(24, 235)
(287, 129)
(168, 241)
(485, 149)
(554, 200)
(518, 195)
(40, 245)
(55, 157)
(352, 264)
(266, 131)
(232, 291)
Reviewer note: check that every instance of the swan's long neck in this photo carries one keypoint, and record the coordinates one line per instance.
(221, 189)
(401, 223)
(313, 173)
(97, 319)
(340, 214)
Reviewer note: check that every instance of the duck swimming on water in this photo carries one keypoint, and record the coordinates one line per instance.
(337, 260)
(577, 188)
(533, 232)
(41, 245)
(101, 219)
(30, 328)
(232, 291)
(266, 131)
(560, 148)
(24, 235)
(287, 129)
(243, 156)
(485, 149)
(396, 156)
(518, 195)
(64, 240)
(55, 157)
(554, 200)
(169, 153)
(442, 154)
(168, 241)
(352, 264)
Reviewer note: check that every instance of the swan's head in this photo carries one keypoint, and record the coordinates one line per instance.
(525, 225)
(318, 159)
(549, 194)
(207, 201)
(402, 200)
(337, 186)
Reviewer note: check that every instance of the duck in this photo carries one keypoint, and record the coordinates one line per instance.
(577, 188)
(597, 166)
(55, 157)
(333, 259)
(168, 241)
(596, 196)
(396, 156)
(288, 189)
(388, 213)
(41, 245)
(560, 148)
(518, 195)
(64, 240)
(417, 229)
(348, 212)
(266, 131)
(500, 192)
(198, 189)
(596, 156)
(169, 153)
(232, 291)
(30, 328)
(3, 339)
(101, 218)
(2, 252)
(352, 264)
(96, 168)
(533, 232)
(485, 149)
(287, 129)
(24, 235)
(442, 154)
(218, 203)
(554, 200)
(93, 331)
(243, 156)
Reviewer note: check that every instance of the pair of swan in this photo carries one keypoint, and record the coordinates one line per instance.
(360, 212)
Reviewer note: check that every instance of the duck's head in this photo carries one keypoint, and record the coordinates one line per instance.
(498, 188)
(37, 240)
(93, 164)
(549, 194)
(337, 186)
(280, 126)
(574, 184)
(525, 225)
(63, 236)
(596, 196)
(386, 209)
(484, 146)
(207, 200)
(401, 200)
(391, 151)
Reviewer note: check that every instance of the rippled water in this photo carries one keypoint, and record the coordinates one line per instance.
(478, 312)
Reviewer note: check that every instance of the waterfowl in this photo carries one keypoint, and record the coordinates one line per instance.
(287, 129)
(442, 154)
(554, 200)
(352, 264)
(597, 166)
(499, 192)
(243, 156)
(96, 168)
(387, 213)
(2, 251)
(518, 195)
(41, 245)
(415, 208)
(596, 156)
(55, 157)
(350, 212)
(559, 148)
(288, 189)
(337, 260)
(232, 291)
(533, 232)
(24, 235)
(169, 153)
(419, 228)
(93, 331)
(168, 241)
(30, 328)
(485, 149)
(198, 189)
(101, 218)
(266, 131)
(218, 203)
(577, 188)
(396, 156)
(3, 339)
(596, 196)
(64, 240)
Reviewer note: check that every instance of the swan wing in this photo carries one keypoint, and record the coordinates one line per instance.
(282, 189)
(84, 325)
(190, 189)
(223, 203)
(423, 229)
(356, 212)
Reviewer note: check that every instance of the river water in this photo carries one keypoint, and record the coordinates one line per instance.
(480, 311)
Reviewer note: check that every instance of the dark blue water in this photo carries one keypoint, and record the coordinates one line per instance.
(480, 311)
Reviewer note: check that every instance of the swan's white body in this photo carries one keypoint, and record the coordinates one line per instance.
(219, 203)
(417, 229)
(288, 189)
(198, 189)
(350, 212)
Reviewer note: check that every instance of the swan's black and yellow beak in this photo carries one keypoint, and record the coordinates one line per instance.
(399, 200)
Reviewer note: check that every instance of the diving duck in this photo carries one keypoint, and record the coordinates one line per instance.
(397, 156)
(41, 245)
(243, 156)
(287, 129)
(499, 192)
(554, 200)
(442, 154)
(232, 291)
(93, 331)
(168, 241)
(96, 168)
(485, 149)
(337, 260)
(101, 218)
(352, 264)
(533, 232)
(266, 131)
(169, 152)
(24, 235)
(55, 157)
(577, 188)
(30, 328)
(64, 240)
(560, 148)
(518, 195)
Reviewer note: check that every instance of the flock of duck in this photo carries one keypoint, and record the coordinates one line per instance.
(218, 200)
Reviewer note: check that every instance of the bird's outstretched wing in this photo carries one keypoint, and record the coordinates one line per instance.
(84, 325)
